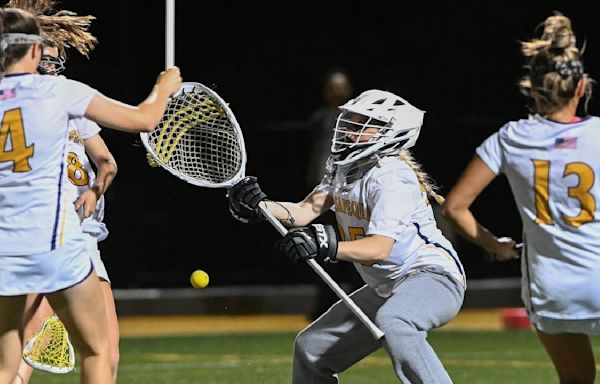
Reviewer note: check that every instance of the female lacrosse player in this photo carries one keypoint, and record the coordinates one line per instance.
(43, 249)
(61, 30)
(550, 160)
(88, 190)
(414, 280)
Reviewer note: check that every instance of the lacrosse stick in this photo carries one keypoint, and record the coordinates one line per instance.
(200, 141)
(50, 350)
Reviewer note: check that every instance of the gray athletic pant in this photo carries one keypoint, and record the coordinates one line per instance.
(335, 341)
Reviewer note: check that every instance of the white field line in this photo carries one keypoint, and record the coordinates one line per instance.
(172, 361)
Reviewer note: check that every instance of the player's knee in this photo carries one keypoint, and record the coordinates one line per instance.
(115, 356)
(391, 322)
(304, 347)
(95, 348)
(301, 344)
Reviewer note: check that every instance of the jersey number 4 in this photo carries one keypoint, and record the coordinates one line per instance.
(581, 192)
(12, 131)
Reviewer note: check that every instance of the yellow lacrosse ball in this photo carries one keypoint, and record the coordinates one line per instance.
(199, 279)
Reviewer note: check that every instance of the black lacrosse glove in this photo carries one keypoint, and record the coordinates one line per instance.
(317, 241)
(244, 198)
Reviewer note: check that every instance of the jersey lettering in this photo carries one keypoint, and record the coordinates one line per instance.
(354, 233)
(580, 192)
(352, 208)
(542, 191)
(77, 174)
(12, 130)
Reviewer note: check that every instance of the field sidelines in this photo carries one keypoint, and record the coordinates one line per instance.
(139, 326)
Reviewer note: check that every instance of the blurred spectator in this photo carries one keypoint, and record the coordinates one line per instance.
(337, 89)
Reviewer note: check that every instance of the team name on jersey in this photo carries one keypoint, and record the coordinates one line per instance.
(352, 208)
(75, 137)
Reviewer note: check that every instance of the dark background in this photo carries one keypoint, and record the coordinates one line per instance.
(458, 61)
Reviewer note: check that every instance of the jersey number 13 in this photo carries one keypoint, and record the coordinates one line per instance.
(581, 192)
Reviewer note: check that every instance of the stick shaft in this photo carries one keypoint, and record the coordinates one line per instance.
(377, 333)
(169, 33)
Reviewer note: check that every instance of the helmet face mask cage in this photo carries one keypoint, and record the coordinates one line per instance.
(50, 65)
(355, 130)
(376, 121)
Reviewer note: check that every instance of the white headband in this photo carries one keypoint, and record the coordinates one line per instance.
(19, 38)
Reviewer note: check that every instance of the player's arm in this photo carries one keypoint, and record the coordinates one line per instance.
(106, 166)
(141, 118)
(318, 241)
(245, 197)
(368, 250)
(302, 213)
(475, 178)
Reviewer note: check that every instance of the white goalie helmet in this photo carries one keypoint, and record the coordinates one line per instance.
(397, 125)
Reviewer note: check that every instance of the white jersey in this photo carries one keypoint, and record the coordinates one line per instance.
(388, 200)
(81, 174)
(35, 215)
(553, 172)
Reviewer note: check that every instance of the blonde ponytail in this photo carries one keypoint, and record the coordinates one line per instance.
(424, 179)
(555, 66)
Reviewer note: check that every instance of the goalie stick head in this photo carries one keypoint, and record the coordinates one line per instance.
(198, 139)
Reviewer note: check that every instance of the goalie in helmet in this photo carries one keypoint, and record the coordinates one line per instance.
(381, 197)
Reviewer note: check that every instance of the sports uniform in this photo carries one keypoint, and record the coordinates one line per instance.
(81, 177)
(419, 287)
(552, 170)
(376, 195)
(42, 244)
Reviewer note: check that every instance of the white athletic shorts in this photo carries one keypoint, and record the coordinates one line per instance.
(590, 327)
(91, 244)
(45, 272)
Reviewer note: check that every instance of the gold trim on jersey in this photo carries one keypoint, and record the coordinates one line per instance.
(61, 233)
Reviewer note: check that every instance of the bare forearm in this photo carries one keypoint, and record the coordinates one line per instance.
(368, 250)
(154, 105)
(466, 224)
(291, 214)
(107, 170)
(302, 213)
(474, 179)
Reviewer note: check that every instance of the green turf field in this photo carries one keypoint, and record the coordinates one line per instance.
(471, 357)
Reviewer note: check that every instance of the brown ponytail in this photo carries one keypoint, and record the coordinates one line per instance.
(18, 21)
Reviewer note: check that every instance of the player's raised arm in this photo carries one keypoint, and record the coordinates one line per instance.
(141, 118)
